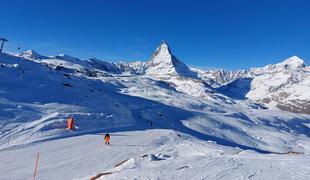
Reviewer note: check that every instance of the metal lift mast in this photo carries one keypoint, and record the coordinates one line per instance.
(3, 40)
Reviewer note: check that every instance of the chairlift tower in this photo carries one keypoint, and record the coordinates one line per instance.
(2, 43)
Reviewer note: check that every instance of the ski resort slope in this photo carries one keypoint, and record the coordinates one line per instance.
(151, 154)
(159, 128)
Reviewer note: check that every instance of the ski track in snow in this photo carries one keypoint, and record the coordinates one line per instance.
(83, 157)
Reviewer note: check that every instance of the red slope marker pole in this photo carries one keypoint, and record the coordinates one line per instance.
(35, 169)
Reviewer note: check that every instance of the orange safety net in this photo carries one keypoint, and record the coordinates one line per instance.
(107, 140)
(70, 123)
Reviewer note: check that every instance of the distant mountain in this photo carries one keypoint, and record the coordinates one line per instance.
(31, 54)
(285, 85)
(291, 64)
(66, 58)
(218, 77)
(164, 63)
(132, 68)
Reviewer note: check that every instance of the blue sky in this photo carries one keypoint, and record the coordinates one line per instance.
(229, 34)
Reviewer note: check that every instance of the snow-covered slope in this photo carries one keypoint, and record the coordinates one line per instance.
(149, 154)
(103, 65)
(61, 61)
(176, 125)
(40, 99)
(57, 91)
(125, 68)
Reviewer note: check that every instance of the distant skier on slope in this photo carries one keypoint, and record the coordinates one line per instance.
(107, 138)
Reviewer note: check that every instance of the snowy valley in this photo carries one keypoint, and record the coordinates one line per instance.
(166, 120)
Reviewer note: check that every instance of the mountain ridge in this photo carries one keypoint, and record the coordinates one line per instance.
(267, 84)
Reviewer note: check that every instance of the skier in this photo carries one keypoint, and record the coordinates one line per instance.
(107, 138)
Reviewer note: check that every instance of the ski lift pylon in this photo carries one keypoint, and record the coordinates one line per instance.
(2, 43)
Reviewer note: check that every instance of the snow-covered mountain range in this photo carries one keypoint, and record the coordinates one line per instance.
(176, 120)
(284, 85)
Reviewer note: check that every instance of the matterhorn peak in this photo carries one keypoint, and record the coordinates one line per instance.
(164, 63)
(162, 53)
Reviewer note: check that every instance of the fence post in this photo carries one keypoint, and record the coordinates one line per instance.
(35, 169)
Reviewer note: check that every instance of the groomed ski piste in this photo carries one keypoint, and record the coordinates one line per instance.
(187, 130)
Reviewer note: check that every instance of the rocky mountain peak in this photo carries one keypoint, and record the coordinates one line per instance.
(164, 63)
(31, 54)
(162, 53)
(290, 64)
(293, 62)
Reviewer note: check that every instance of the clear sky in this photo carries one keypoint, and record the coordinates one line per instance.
(229, 34)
